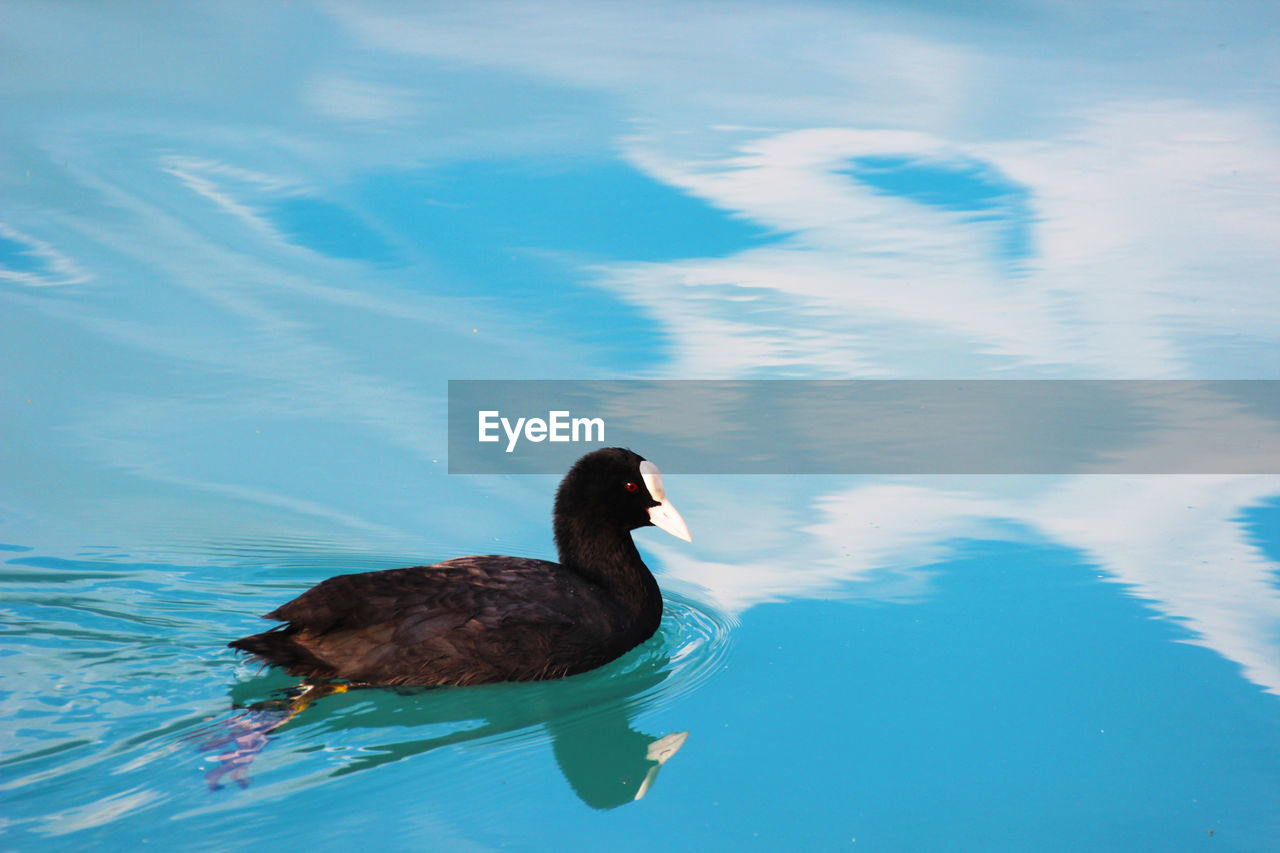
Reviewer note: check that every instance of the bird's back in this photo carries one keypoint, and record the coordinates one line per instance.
(465, 621)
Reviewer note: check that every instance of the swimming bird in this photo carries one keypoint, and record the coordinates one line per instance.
(474, 620)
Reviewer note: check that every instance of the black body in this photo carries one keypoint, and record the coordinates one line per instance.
(482, 619)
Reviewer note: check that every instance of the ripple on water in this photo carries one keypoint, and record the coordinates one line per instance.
(120, 673)
(592, 722)
(688, 649)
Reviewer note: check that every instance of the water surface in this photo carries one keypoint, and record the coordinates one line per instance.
(244, 248)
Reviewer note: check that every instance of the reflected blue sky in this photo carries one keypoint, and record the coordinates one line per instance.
(242, 249)
(970, 187)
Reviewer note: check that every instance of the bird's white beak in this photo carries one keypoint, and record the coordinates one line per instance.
(663, 515)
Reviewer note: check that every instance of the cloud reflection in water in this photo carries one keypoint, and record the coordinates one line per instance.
(1118, 221)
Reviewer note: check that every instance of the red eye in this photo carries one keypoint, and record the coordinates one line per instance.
(631, 487)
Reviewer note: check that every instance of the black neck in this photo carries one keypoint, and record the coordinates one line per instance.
(609, 559)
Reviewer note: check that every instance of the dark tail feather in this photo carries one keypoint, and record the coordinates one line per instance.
(278, 647)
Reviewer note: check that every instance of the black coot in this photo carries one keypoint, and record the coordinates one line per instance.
(480, 619)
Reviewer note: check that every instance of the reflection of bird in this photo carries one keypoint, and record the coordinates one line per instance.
(607, 762)
(482, 619)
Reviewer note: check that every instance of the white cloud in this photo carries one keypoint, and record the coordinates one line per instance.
(361, 100)
(54, 268)
(1179, 543)
(1131, 212)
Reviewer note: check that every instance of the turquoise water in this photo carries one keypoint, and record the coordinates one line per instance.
(244, 247)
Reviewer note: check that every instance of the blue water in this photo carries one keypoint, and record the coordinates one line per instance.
(243, 248)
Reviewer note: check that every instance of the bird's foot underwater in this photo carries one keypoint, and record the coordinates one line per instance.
(245, 735)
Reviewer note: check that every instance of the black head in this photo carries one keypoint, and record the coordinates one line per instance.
(616, 489)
